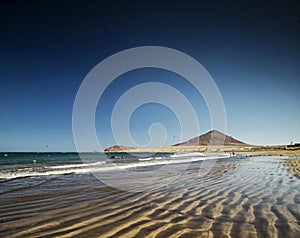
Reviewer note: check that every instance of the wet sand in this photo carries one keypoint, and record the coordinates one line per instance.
(294, 165)
(249, 197)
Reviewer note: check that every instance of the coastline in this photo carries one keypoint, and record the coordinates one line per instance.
(248, 150)
(250, 197)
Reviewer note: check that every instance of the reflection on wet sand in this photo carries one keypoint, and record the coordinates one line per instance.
(249, 197)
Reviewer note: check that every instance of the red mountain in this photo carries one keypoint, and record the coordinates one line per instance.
(212, 138)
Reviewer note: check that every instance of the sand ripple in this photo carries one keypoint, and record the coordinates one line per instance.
(249, 197)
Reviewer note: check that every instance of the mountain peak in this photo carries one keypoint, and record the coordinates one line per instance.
(214, 132)
(213, 137)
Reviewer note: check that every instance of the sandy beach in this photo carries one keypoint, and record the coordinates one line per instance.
(239, 197)
(294, 164)
(254, 150)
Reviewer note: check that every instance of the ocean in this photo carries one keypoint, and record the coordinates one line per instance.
(146, 195)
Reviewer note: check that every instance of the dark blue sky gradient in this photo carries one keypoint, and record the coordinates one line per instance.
(251, 49)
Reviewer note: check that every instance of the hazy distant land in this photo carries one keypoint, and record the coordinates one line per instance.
(215, 141)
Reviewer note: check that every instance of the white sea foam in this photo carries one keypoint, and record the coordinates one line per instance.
(159, 158)
(102, 166)
(184, 155)
(146, 159)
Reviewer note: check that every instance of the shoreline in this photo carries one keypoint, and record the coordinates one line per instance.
(236, 198)
(249, 150)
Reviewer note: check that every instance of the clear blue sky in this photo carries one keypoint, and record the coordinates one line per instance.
(47, 48)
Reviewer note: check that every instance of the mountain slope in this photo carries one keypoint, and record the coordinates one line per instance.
(118, 148)
(212, 138)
